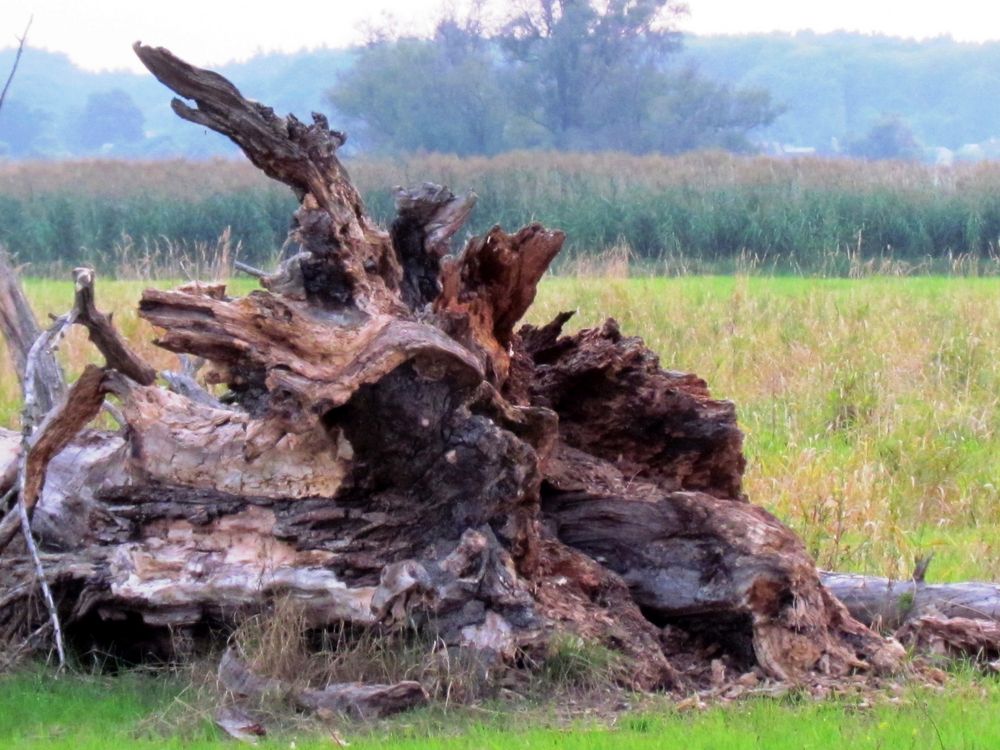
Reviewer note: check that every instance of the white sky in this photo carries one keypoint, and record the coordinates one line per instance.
(97, 34)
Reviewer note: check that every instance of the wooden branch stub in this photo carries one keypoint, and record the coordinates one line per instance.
(60, 426)
(487, 289)
(427, 218)
(116, 352)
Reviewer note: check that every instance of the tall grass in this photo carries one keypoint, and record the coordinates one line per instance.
(871, 406)
(710, 211)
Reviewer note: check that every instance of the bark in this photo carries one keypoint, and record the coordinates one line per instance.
(20, 330)
(954, 637)
(389, 450)
(887, 605)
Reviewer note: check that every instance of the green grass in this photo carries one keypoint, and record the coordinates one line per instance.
(40, 712)
(703, 211)
(870, 405)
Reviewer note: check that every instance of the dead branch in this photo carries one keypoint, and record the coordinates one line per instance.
(354, 699)
(116, 352)
(20, 330)
(17, 59)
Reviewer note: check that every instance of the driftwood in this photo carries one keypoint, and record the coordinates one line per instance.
(392, 450)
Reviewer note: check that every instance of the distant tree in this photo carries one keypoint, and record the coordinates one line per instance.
(109, 117)
(413, 94)
(24, 130)
(570, 74)
(569, 54)
(692, 112)
(889, 138)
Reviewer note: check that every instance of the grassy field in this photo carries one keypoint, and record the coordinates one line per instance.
(39, 712)
(694, 212)
(870, 405)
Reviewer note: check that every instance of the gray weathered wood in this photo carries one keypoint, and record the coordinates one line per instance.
(886, 604)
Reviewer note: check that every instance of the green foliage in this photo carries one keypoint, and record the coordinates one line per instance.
(414, 95)
(109, 118)
(24, 130)
(705, 211)
(565, 74)
(837, 86)
(889, 138)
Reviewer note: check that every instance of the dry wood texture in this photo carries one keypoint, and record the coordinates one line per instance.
(387, 448)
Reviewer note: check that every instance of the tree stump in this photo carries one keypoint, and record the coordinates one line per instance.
(391, 449)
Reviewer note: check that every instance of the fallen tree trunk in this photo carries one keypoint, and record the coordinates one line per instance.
(887, 605)
(393, 451)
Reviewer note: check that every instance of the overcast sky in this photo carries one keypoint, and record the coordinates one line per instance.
(97, 34)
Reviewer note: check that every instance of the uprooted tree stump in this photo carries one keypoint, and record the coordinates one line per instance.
(392, 450)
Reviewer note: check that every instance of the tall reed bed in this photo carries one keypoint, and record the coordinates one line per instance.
(707, 211)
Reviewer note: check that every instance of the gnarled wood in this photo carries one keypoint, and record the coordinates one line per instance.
(486, 290)
(718, 567)
(615, 402)
(346, 259)
(952, 637)
(427, 219)
(390, 452)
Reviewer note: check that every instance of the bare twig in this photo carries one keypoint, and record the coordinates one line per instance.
(249, 270)
(17, 58)
(43, 583)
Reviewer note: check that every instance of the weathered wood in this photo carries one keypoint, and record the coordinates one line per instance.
(615, 402)
(391, 453)
(952, 637)
(20, 330)
(427, 219)
(365, 701)
(487, 289)
(346, 260)
(118, 355)
(81, 404)
(721, 568)
(887, 605)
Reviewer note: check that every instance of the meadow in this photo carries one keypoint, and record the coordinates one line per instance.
(696, 213)
(869, 404)
(871, 420)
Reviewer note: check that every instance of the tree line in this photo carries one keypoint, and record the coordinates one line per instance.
(574, 75)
